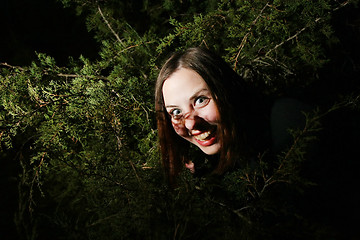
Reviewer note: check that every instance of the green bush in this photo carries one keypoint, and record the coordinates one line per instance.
(85, 133)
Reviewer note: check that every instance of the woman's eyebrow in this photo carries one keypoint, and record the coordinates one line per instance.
(197, 93)
(170, 106)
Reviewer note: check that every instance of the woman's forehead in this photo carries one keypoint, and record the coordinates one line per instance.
(183, 84)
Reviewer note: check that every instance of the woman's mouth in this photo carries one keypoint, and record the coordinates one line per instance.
(206, 138)
(203, 136)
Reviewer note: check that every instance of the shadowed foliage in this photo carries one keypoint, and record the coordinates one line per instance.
(83, 136)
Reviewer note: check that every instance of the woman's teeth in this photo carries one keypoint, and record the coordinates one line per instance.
(203, 136)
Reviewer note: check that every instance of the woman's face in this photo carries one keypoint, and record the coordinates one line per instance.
(193, 111)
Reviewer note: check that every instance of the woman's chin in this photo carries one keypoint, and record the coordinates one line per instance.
(211, 149)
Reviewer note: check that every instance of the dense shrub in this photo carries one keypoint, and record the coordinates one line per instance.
(85, 137)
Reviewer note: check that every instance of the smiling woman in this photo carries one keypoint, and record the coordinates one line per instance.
(200, 100)
(193, 111)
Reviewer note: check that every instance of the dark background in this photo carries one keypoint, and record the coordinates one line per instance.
(43, 26)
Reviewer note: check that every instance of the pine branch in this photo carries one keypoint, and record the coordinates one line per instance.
(244, 40)
(59, 74)
(109, 26)
(237, 212)
(10, 66)
(341, 5)
(290, 38)
(310, 126)
(81, 76)
(99, 221)
(303, 29)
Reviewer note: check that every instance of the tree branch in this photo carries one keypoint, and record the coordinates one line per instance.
(85, 76)
(109, 26)
(10, 66)
(243, 41)
(290, 38)
(304, 28)
(59, 74)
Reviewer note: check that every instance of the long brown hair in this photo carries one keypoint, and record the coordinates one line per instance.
(230, 95)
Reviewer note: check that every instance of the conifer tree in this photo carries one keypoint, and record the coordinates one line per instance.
(85, 136)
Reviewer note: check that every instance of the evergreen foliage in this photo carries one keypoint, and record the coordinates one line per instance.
(85, 136)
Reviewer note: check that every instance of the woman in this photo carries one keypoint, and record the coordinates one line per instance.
(200, 100)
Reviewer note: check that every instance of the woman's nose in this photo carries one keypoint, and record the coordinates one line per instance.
(190, 122)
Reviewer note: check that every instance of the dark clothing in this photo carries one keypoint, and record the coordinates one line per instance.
(328, 207)
(286, 114)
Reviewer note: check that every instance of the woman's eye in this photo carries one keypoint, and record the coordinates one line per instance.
(175, 113)
(201, 101)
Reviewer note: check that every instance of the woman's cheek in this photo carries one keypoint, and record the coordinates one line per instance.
(212, 114)
(180, 129)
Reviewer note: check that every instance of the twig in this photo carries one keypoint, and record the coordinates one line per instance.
(341, 5)
(78, 76)
(241, 47)
(304, 28)
(146, 112)
(133, 46)
(176, 230)
(236, 212)
(59, 74)
(101, 220)
(131, 162)
(109, 26)
(290, 38)
(10, 66)
(244, 40)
